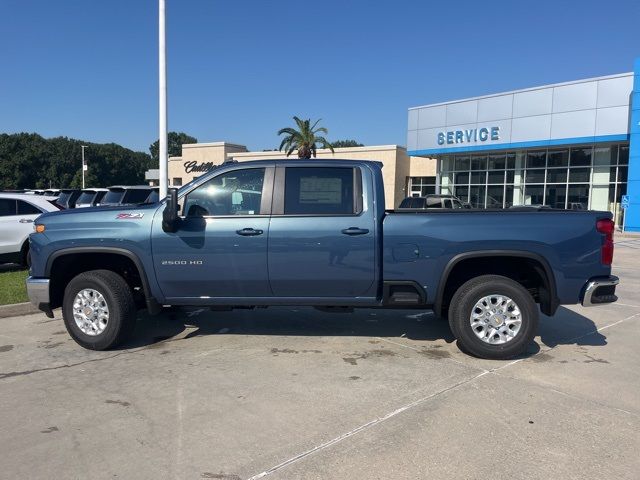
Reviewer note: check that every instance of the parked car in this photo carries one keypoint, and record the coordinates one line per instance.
(17, 213)
(295, 232)
(129, 195)
(431, 201)
(90, 197)
(68, 197)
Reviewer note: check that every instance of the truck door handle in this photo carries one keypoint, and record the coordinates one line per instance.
(26, 220)
(249, 232)
(355, 231)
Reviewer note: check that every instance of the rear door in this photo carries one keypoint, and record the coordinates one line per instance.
(322, 235)
(16, 223)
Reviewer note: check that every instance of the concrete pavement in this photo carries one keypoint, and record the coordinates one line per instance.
(298, 394)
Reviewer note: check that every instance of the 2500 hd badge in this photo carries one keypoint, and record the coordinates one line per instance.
(181, 262)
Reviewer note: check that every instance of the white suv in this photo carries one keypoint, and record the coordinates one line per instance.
(17, 213)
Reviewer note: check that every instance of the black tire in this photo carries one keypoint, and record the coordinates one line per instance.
(119, 299)
(25, 255)
(463, 303)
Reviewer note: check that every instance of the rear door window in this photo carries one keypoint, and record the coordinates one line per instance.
(113, 196)
(7, 207)
(85, 197)
(434, 202)
(136, 195)
(25, 208)
(319, 191)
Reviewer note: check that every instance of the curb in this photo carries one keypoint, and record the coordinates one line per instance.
(17, 309)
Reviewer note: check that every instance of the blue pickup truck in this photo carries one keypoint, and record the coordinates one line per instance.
(316, 233)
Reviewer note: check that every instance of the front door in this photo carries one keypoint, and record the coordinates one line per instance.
(220, 248)
(322, 240)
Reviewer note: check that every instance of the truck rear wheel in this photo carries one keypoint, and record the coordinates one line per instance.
(98, 309)
(493, 317)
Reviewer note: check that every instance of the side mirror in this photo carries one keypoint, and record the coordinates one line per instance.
(170, 218)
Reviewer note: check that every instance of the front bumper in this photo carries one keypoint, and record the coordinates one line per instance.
(600, 290)
(38, 292)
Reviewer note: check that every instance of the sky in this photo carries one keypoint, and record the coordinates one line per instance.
(239, 70)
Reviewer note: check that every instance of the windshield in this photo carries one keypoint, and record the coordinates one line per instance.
(86, 197)
(113, 196)
(135, 196)
(63, 197)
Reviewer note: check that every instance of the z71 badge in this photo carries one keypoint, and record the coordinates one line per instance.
(129, 216)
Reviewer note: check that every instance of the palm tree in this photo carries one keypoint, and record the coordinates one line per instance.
(306, 139)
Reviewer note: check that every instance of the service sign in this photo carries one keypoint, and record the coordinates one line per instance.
(470, 135)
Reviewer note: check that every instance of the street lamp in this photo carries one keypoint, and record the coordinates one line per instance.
(162, 99)
(84, 165)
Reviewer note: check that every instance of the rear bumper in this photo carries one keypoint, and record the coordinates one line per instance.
(38, 292)
(600, 290)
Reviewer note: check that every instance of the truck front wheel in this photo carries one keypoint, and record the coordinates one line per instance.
(493, 317)
(98, 309)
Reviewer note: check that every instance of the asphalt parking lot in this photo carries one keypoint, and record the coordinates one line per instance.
(295, 393)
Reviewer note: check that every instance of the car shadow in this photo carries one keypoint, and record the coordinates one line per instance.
(565, 328)
(11, 267)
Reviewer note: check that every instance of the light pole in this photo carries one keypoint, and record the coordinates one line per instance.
(162, 97)
(84, 165)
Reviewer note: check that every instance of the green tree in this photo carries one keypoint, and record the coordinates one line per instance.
(305, 139)
(175, 140)
(346, 143)
(27, 160)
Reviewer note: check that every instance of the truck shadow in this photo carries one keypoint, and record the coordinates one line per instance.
(565, 328)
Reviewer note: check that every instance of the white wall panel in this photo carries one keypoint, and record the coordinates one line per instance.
(577, 96)
(573, 124)
(495, 108)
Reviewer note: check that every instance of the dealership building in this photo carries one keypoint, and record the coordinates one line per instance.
(567, 145)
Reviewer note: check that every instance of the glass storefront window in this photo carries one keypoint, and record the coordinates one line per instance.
(605, 155)
(623, 155)
(558, 158)
(534, 176)
(556, 195)
(534, 195)
(462, 163)
(462, 192)
(580, 157)
(478, 162)
(623, 173)
(421, 186)
(578, 197)
(479, 177)
(461, 177)
(495, 196)
(495, 176)
(579, 174)
(582, 176)
(509, 200)
(497, 162)
(510, 176)
(536, 159)
(557, 175)
(476, 196)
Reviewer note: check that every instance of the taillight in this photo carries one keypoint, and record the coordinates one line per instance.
(606, 226)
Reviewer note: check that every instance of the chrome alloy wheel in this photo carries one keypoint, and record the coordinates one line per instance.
(496, 319)
(90, 311)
